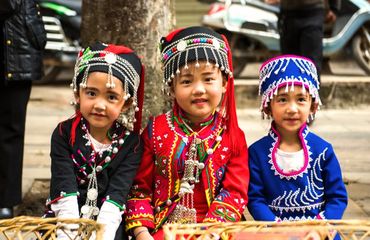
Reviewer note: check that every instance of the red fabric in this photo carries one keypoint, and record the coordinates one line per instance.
(158, 180)
(118, 49)
(75, 123)
(140, 101)
(158, 235)
(230, 108)
(200, 201)
(172, 34)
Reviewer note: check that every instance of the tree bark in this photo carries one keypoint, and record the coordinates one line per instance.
(138, 24)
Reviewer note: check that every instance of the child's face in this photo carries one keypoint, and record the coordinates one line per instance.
(290, 110)
(100, 105)
(198, 90)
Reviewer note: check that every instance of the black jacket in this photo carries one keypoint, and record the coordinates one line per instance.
(23, 39)
(71, 165)
(307, 5)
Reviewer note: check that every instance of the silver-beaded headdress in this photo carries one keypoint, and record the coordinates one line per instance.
(193, 44)
(288, 71)
(115, 60)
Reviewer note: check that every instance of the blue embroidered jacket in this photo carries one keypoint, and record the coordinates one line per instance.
(316, 191)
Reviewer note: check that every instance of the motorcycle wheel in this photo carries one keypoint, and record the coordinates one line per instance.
(361, 52)
(238, 47)
(50, 74)
(239, 64)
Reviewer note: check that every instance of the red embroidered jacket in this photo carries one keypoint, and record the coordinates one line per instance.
(154, 193)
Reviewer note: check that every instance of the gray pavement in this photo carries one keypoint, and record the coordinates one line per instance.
(347, 129)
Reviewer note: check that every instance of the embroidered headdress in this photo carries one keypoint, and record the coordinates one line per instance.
(118, 61)
(194, 44)
(288, 71)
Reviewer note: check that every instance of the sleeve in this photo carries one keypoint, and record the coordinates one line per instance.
(63, 180)
(35, 27)
(7, 7)
(67, 208)
(110, 216)
(336, 198)
(122, 178)
(257, 204)
(230, 203)
(139, 208)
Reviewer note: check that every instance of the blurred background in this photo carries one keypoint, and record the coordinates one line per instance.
(249, 25)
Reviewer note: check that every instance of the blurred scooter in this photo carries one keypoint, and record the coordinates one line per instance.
(252, 30)
(62, 19)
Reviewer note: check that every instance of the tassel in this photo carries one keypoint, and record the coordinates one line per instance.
(292, 88)
(287, 87)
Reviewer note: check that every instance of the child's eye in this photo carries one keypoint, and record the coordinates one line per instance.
(281, 99)
(113, 97)
(90, 93)
(302, 99)
(185, 81)
(209, 79)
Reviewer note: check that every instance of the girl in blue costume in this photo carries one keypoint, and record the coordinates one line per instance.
(294, 174)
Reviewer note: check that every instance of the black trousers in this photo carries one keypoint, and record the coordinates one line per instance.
(14, 97)
(301, 33)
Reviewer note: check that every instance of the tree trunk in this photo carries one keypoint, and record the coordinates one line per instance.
(138, 24)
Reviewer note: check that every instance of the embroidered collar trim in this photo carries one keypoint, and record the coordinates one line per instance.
(274, 134)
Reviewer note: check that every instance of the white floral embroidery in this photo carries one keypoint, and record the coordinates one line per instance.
(299, 199)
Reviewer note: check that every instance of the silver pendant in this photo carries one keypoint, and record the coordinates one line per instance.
(200, 165)
(92, 194)
(85, 209)
(95, 211)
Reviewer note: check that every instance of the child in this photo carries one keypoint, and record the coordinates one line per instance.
(95, 154)
(295, 174)
(195, 163)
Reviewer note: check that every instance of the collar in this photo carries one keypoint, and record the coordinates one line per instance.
(302, 134)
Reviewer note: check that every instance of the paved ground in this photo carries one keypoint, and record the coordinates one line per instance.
(347, 129)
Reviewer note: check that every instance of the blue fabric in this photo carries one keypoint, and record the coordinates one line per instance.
(287, 68)
(316, 189)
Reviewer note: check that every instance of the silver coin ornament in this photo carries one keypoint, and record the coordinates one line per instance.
(216, 43)
(201, 165)
(181, 46)
(85, 209)
(92, 194)
(110, 58)
(95, 211)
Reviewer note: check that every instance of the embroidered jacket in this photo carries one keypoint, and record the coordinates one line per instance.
(71, 165)
(316, 191)
(154, 193)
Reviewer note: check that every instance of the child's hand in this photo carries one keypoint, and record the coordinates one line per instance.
(145, 236)
(272, 2)
(142, 233)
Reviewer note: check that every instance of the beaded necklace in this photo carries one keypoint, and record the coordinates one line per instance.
(90, 210)
(185, 211)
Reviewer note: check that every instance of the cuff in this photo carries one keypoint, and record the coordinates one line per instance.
(222, 212)
(67, 207)
(61, 196)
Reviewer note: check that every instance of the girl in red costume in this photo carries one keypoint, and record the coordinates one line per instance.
(195, 163)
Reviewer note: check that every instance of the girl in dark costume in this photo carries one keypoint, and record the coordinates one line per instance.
(96, 153)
